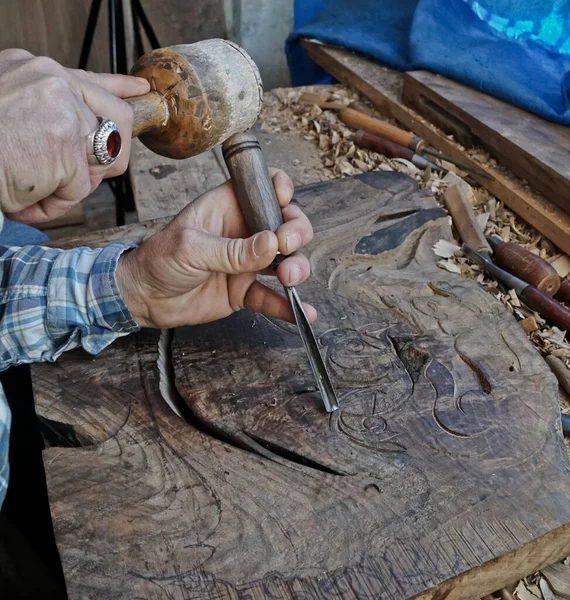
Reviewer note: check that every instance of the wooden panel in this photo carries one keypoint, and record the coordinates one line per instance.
(183, 22)
(164, 186)
(383, 87)
(444, 474)
(532, 148)
(53, 28)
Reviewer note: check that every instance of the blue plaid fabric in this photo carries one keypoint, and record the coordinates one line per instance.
(52, 301)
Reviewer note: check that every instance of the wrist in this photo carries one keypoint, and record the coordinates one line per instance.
(129, 284)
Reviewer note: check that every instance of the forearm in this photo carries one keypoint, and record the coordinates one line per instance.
(54, 300)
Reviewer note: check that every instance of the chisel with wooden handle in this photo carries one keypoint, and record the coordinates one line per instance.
(357, 120)
(393, 150)
(553, 312)
(260, 207)
(464, 219)
(524, 264)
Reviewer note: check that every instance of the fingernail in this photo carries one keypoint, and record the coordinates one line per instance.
(260, 244)
(294, 275)
(292, 242)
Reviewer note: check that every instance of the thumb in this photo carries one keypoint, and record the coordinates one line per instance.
(122, 86)
(234, 255)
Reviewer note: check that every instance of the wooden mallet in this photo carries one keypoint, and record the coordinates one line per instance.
(202, 94)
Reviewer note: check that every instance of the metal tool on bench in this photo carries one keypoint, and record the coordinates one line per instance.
(258, 202)
(393, 150)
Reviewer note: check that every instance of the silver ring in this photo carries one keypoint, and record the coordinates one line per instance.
(104, 144)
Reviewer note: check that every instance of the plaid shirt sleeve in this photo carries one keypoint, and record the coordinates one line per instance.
(52, 301)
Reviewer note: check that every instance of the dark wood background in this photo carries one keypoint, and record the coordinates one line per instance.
(55, 28)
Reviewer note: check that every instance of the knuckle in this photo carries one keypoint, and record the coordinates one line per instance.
(55, 87)
(45, 65)
(235, 254)
(15, 54)
(65, 128)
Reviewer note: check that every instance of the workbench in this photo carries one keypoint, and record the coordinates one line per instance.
(445, 474)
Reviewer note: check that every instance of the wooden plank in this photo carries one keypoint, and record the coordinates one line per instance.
(532, 148)
(182, 22)
(382, 86)
(164, 186)
(131, 234)
(54, 28)
(444, 474)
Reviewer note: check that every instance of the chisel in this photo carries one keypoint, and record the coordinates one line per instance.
(260, 207)
(524, 264)
(553, 312)
(358, 120)
(393, 150)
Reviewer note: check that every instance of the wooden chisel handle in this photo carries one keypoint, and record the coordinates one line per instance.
(382, 145)
(252, 182)
(545, 306)
(526, 266)
(150, 112)
(564, 290)
(358, 120)
(464, 219)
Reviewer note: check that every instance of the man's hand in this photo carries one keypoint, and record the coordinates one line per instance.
(203, 265)
(46, 112)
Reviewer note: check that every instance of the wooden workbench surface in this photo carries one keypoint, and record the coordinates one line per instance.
(444, 473)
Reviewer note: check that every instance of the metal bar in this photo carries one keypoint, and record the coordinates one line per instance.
(312, 348)
(112, 36)
(457, 163)
(89, 33)
(149, 31)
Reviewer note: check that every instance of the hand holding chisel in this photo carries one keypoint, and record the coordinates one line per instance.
(260, 208)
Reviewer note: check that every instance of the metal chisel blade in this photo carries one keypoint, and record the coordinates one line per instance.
(312, 348)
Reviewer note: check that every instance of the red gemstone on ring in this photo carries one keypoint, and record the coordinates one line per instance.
(114, 144)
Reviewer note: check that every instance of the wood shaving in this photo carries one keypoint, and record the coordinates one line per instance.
(445, 249)
(529, 324)
(526, 592)
(449, 265)
(561, 263)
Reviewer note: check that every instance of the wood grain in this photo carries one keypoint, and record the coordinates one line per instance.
(460, 209)
(532, 148)
(444, 476)
(252, 183)
(54, 28)
(382, 86)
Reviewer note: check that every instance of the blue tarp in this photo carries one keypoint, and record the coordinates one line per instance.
(516, 50)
